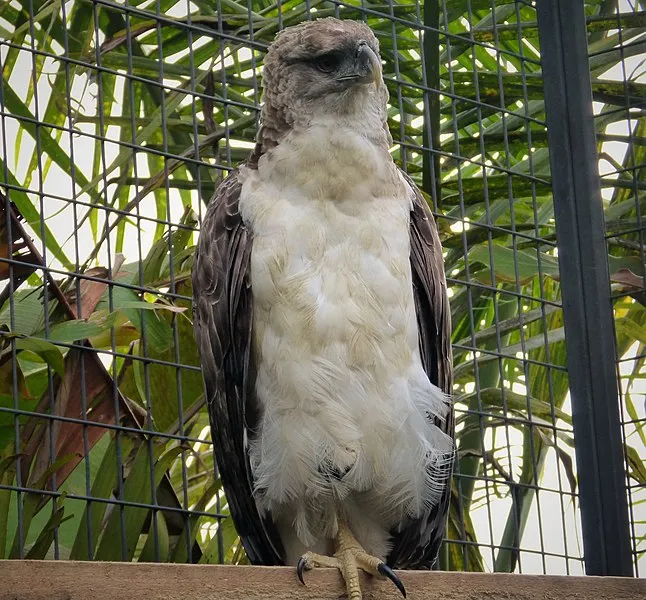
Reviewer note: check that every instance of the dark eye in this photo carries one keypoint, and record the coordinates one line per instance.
(326, 63)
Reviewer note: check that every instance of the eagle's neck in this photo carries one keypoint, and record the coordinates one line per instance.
(333, 159)
(362, 111)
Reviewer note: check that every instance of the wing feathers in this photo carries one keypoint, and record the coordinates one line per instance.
(416, 546)
(222, 323)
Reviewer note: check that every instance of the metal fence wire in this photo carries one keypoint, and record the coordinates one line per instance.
(118, 120)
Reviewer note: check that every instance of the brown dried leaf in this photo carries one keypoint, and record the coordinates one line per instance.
(91, 291)
(634, 284)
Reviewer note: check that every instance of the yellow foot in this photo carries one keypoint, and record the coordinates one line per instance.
(349, 558)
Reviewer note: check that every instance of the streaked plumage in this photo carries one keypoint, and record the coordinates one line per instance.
(322, 321)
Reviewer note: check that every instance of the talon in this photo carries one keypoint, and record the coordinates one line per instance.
(386, 571)
(302, 562)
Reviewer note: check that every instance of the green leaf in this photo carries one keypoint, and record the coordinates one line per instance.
(507, 263)
(47, 142)
(7, 382)
(230, 542)
(136, 488)
(509, 352)
(141, 314)
(46, 536)
(511, 401)
(7, 474)
(102, 489)
(460, 528)
(507, 325)
(562, 455)
(32, 216)
(27, 316)
(142, 304)
(160, 390)
(50, 353)
(34, 503)
(157, 546)
(189, 534)
(630, 328)
(636, 463)
(71, 331)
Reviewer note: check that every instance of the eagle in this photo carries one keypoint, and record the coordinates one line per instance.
(322, 321)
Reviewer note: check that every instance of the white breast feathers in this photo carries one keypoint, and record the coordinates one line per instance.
(346, 403)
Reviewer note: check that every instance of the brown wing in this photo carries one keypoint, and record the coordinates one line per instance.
(417, 545)
(222, 306)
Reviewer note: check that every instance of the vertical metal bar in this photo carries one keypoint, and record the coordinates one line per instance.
(431, 177)
(585, 286)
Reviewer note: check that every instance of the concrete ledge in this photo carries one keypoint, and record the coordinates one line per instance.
(67, 580)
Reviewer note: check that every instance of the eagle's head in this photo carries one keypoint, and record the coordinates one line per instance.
(326, 68)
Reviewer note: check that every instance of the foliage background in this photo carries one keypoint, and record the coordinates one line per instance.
(118, 121)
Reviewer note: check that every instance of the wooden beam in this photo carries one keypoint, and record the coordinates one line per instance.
(67, 580)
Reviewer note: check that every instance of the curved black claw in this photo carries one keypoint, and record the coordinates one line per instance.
(300, 567)
(386, 571)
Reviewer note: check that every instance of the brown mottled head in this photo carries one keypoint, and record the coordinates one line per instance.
(323, 67)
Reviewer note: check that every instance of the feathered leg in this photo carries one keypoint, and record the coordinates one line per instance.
(349, 557)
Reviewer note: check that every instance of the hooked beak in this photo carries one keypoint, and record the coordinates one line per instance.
(365, 68)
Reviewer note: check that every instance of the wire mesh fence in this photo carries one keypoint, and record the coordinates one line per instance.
(118, 121)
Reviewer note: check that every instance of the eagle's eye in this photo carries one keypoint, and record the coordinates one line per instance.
(326, 63)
